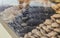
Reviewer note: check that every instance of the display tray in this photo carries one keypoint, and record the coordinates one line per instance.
(25, 22)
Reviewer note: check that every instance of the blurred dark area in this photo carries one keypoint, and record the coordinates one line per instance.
(30, 18)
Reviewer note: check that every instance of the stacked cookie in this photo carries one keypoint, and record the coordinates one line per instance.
(56, 17)
(48, 29)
